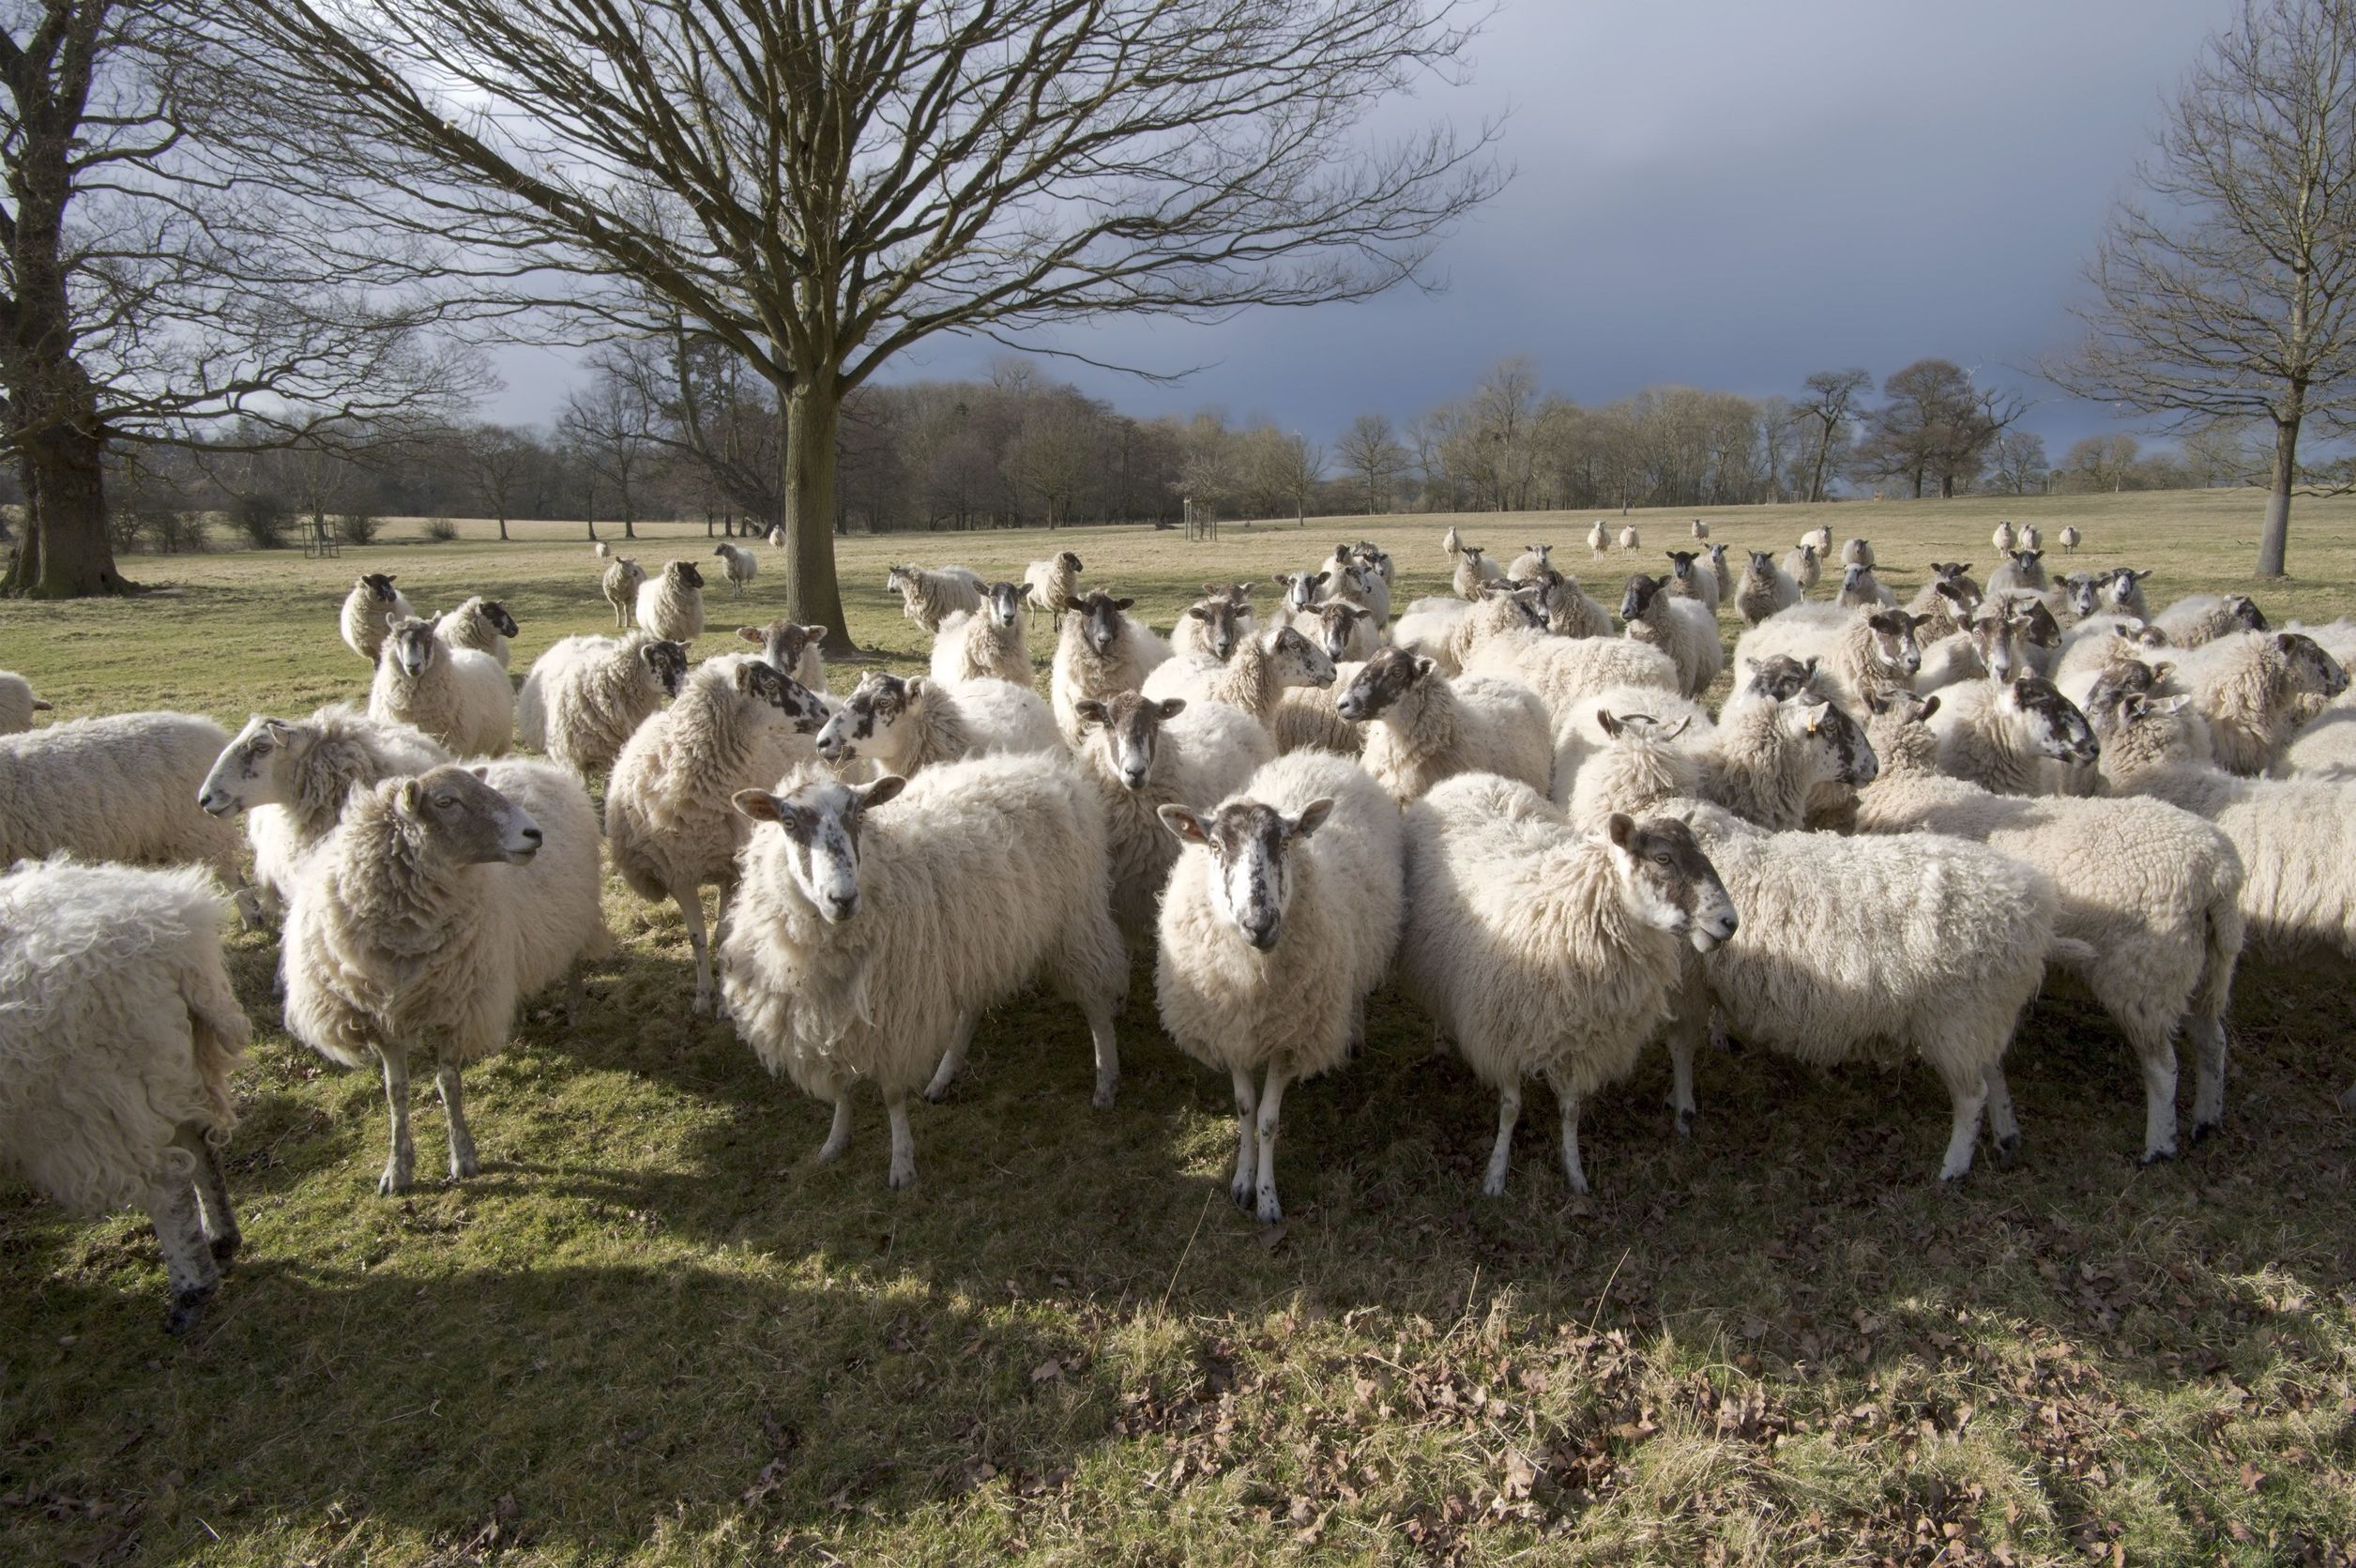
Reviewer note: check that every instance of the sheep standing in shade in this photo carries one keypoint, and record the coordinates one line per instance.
(18, 704)
(1423, 727)
(365, 608)
(1103, 651)
(1145, 754)
(482, 625)
(929, 596)
(587, 697)
(622, 579)
(1282, 915)
(460, 697)
(2254, 689)
(672, 606)
(987, 645)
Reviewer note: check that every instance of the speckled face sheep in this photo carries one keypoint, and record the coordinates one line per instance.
(1210, 627)
(2122, 591)
(790, 649)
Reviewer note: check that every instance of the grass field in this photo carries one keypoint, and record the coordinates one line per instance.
(655, 1331)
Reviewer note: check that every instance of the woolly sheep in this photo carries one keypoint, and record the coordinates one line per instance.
(1998, 734)
(1691, 577)
(1947, 601)
(1209, 628)
(1767, 761)
(18, 704)
(2077, 596)
(439, 903)
(1282, 915)
(480, 624)
(460, 697)
(791, 651)
(1145, 753)
(1473, 570)
(1252, 680)
(1356, 582)
(119, 788)
(904, 727)
(1423, 727)
(2020, 571)
(986, 644)
(741, 566)
(372, 597)
(2326, 743)
(2003, 538)
(736, 723)
(1766, 589)
(1053, 584)
(2069, 538)
(2254, 687)
(1858, 552)
(1375, 558)
(118, 1033)
(1532, 563)
(1102, 650)
(1701, 529)
(1451, 542)
(868, 940)
(2093, 645)
(1683, 628)
(1567, 672)
(1995, 644)
(2203, 618)
(1305, 719)
(1861, 590)
(672, 606)
(2120, 591)
(1820, 539)
(930, 596)
(1446, 630)
(1567, 612)
(1803, 566)
(1345, 631)
(1586, 732)
(1302, 589)
(587, 697)
(1629, 540)
(622, 579)
(1599, 539)
(1724, 572)
(2031, 537)
(1862, 655)
(1545, 952)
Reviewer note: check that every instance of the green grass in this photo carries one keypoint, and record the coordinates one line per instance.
(654, 1331)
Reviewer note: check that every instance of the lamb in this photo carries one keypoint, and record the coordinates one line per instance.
(1567, 610)
(1863, 655)
(2122, 591)
(1997, 734)
(930, 596)
(480, 624)
(907, 727)
(2255, 688)
(1282, 915)
(439, 903)
(372, 597)
(2070, 537)
(18, 704)
(1861, 590)
(460, 697)
(1534, 562)
(1691, 577)
(1681, 627)
(672, 606)
(1566, 673)
(1252, 680)
(1857, 552)
(1599, 539)
(869, 940)
(736, 723)
(620, 584)
(1804, 567)
(1053, 586)
(1209, 629)
(987, 645)
(119, 788)
(1425, 727)
(742, 565)
(2003, 538)
(1473, 572)
(2019, 571)
(2031, 537)
(1145, 754)
(1629, 542)
(587, 697)
(2203, 618)
(792, 650)
(1545, 951)
(1766, 589)
(1102, 651)
(118, 1032)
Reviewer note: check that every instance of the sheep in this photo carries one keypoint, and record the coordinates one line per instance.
(1858, 552)
(2077, 596)
(622, 579)
(1993, 646)
(1375, 558)
(2003, 538)
(1566, 672)
(1691, 578)
(118, 1033)
(736, 723)
(1053, 586)
(1766, 761)
(1863, 655)
(119, 788)
(1629, 540)
(1820, 539)
(2093, 645)
(1803, 566)
(2149, 905)
(1452, 543)
(480, 624)
(1282, 915)
(1423, 727)
(2122, 591)
(460, 697)
(1101, 651)
(1766, 589)
(1997, 734)
(1361, 585)
(1305, 719)
(18, 704)
(2070, 537)
(1532, 563)
(437, 904)
(1681, 627)
(776, 536)
(1546, 952)
(1701, 529)
(1302, 589)
(2255, 688)
(1252, 680)
(1861, 590)
(1345, 631)
(905, 726)
(741, 565)
(2031, 537)
(868, 940)
(1445, 630)
(372, 597)
(987, 645)
(672, 606)
(2019, 571)
(1599, 539)
(792, 650)
(1947, 601)
(1567, 610)
(1473, 572)
(587, 697)
(1209, 629)
(1147, 753)
(2203, 618)
(292, 778)
(930, 596)
(1584, 734)
(2326, 743)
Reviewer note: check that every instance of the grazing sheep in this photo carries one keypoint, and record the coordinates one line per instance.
(18, 704)
(1425, 727)
(119, 788)
(1803, 566)
(1208, 630)
(1252, 680)
(1102, 650)
(2031, 537)
(868, 940)
(1691, 577)
(1545, 952)
(587, 697)
(2070, 537)
(672, 606)
(791, 651)
(372, 597)
(1145, 754)
(1861, 590)
(1282, 915)
(1999, 733)
(2003, 538)
(2255, 688)
(1345, 631)
(1053, 586)
(905, 726)
(987, 645)
(1629, 540)
(460, 697)
(1599, 539)
(1474, 572)
(930, 596)
(736, 723)
(1820, 539)
(2020, 572)
(1681, 627)
(1701, 529)
(2203, 618)
(2121, 592)
(480, 624)
(620, 584)
(1567, 610)
(118, 1032)
(1863, 656)
(1766, 589)
(1534, 562)
(1858, 552)
(1566, 673)
(741, 566)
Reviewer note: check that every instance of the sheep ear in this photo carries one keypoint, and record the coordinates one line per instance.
(752, 634)
(1311, 818)
(760, 805)
(1423, 666)
(1962, 566)
(2147, 572)
(279, 729)
(1123, 603)
(919, 685)
(482, 772)
(2171, 704)
(883, 789)
(1619, 828)
(1197, 611)
(1172, 708)
(392, 618)
(1930, 706)
(1682, 724)
(1185, 824)
(406, 799)
(1093, 711)
(1813, 714)
(2161, 670)
(1611, 726)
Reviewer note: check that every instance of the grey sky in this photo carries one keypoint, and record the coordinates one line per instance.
(1717, 193)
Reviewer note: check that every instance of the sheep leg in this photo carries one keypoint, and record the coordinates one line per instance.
(1271, 1101)
(187, 1262)
(838, 1135)
(1681, 1033)
(213, 1211)
(2209, 1039)
(720, 931)
(2159, 1099)
(1570, 1102)
(1971, 1098)
(1509, 1113)
(691, 902)
(952, 1060)
(463, 1161)
(401, 1162)
(2001, 1121)
(1107, 1054)
(1247, 1180)
(903, 1143)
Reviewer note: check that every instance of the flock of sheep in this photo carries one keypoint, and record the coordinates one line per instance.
(1895, 827)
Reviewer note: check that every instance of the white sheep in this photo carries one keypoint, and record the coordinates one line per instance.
(1145, 753)
(587, 697)
(2120, 591)
(1355, 582)
(736, 725)
(2093, 645)
(1999, 734)
(1053, 586)
(1858, 552)
(439, 903)
(1533, 563)
(791, 650)
(1861, 590)
(1863, 655)
(1691, 577)
(460, 697)
(2020, 572)
(1996, 643)
(480, 624)
(1820, 539)
(1302, 591)
(1947, 601)
(1545, 952)
(1770, 762)
(18, 704)
(1599, 539)
(1446, 630)
(1701, 529)
(2254, 689)
(1803, 566)
(119, 788)
(1282, 915)
(1590, 728)
(2031, 537)
(987, 644)
(929, 596)
(1567, 672)
(1630, 541)
(1344, 630)
(1305, 719)
(1567, 610)
(741, 566)
(622, 579)
(1211, 628)
(672, 606)
(1683, 628)
(1423, 727)
(2070, 538)
(2003, 538)
(868, 939)
(1102, 650)
(372, 597)
(1252, 680)
(905, 726)
(2326, 744)
(118, 1033)
(1474, 571)
(2203, 618)
(1767, 590)
(1451, 542)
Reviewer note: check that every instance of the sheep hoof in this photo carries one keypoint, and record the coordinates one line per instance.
(1271, 1211)
(936, 1092)
(703, 1005)
(2156, 1156)
(901, 1176)
(187, 1307)
(2008, 1150)
(2204, 1131)
(1685, 1124)
(392, 1183)
(1493, 1187)
(464, 1166)
(1242, 1191)
(225, 1247)
(1721, 1041)
(1103, 1098)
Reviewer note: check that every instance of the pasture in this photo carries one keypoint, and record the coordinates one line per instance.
(655, 1331)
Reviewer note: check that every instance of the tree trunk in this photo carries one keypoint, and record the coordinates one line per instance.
(503, 528)
(812, 596)
(2276, 539)
(68, 553)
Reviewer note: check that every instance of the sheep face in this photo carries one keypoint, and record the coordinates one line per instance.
(2124, 676)
(1132, 725)
(1681, 564)
(1249, 846)
(665, 662)
(1718, 557)
(1238, 594)
(1892, 643)
(1665, 880)
(1951, 589)
(1299, 662)
(1996, 635)
(1069, 561)
(2312, 672)
(1335, 623)
(1836, 743)
(1388, 677)
(2025, 563)
(412, 645)
(1950, 572)
(1101, 621)
(1637, 597)
(1003, 603)
(379, 586)
(496, 614)
(1300, 587)
(2080, 591)
(1762, 567)
(782, 642)
(2246, 611)
(1779, 677)
(864, 724)
(245, 775)
(900, 580)
(2048, 722)
(821, 823)
(762, 682)
(683, 574)
(1220, 625)
(2118, 588)
(1859, 582)
(464, 821)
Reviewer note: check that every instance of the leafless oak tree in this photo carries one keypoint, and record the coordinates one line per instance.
(1831, 409)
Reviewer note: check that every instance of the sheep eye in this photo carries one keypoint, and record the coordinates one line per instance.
(446, 801)
(1661, 860)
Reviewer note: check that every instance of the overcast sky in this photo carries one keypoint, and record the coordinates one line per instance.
(1716, 193)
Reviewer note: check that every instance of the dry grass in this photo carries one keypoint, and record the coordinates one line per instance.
(654, 1332)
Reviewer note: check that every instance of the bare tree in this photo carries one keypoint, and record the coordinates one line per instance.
(2226, 290)
(2225, 452)
(498, 459)
(2019, 461)
(1831, 409)
(2101, 461)
(607, 424)
(1936, 425)
(1374, 459)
